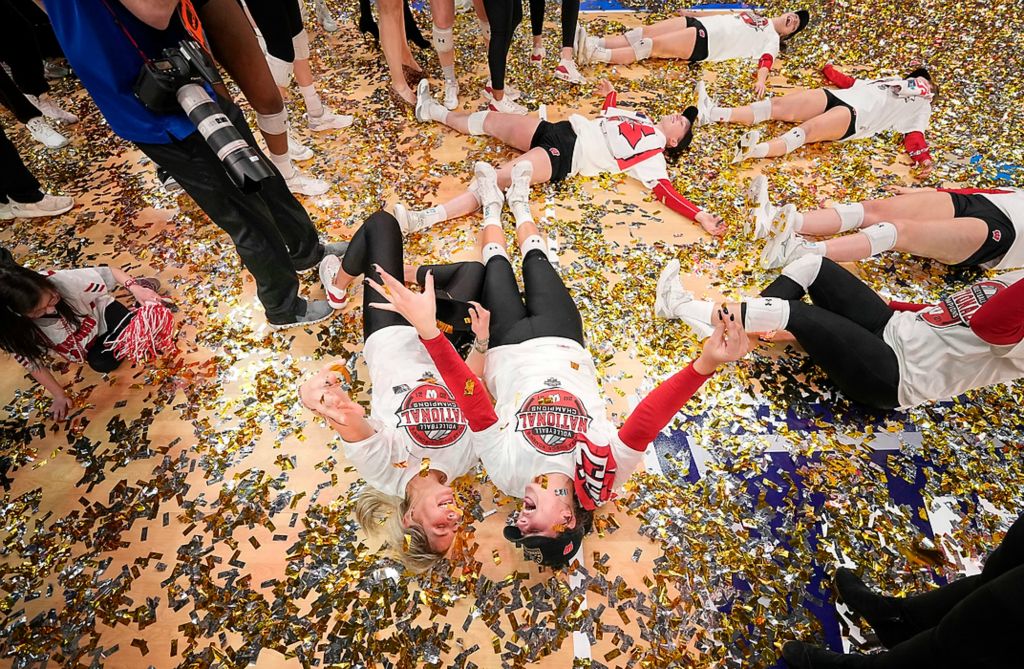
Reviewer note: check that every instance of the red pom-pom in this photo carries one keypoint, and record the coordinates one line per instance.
(147, 335)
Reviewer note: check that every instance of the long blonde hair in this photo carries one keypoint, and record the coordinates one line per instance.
(380, 515)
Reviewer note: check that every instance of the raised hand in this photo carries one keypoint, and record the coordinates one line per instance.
(324, 395)
(419, 309)
(727, 343)
(480, 321)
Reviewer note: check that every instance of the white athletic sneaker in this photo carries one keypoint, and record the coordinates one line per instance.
(303, 184)
(491, 197)
(51, 109)
(591, 52)
(424, 102)
(44, 133)
(5, 211)
(329, 268)
(705, 103)
(297, 150)
(315, 312)
(323, 14)
(579, 38)
(743, 148)
(451, 94)
(507, 105)
(328, 121)
(408, 220)
(517, 195)
(537, 54)
(671, 299)
(762, 212)
(50, 205)
(784, 242)
(567, 71)
(511, 93)
(463, 6)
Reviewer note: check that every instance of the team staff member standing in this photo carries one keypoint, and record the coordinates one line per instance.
(271, 231)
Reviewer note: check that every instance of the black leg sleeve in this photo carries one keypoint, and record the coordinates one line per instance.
(570, 17)
(537, 17)
(502, 16)
(274, 20)
(548, 301)
(12, 98)
(117, 317)
(501, 297)
(842, 293)
(16, 182)
(377, 242)
(462, 281)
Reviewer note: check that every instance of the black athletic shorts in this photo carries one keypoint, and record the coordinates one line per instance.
(700, 47)
(1001, 233)
(833, 101)
(559, 140)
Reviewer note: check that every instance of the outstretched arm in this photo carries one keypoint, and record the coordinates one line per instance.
(665, 192)
(1000, 321)
(837, 78)
(764, 67)
(606, 89)
(917, 148)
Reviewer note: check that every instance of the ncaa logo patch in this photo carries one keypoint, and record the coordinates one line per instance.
(551, 419)
(431, 416)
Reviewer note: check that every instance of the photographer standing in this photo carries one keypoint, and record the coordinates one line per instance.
(109, 43)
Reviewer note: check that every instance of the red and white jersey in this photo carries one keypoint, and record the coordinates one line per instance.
(546, 397)
(1010, 203)
(885, 104)
(87, 291)
(415, 416)
(740, 35)
(941, 352)
(619, 141)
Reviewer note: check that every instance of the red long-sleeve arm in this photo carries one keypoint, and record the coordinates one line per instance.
(1000, 321)
(610, 100)
(469, 391)
(974, 191)
(896, 305)
(657, 409)
(837, 78)
(667, 193)
(766, 61)
(916, 146)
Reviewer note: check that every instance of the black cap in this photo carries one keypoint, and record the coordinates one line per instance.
(920, 72)
(804, 17)
(690, 114)
(554, 552)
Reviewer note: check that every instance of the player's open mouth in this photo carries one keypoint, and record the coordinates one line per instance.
(447, 501)
(529, 504)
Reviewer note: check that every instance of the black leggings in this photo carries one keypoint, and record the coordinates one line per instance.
(16, 181)
(842, 333)
(12, 98)
(548, 311)
(278, 21)
(117, 316)
(504, 16)
(973, 622)
(19, 49)
(570, 17)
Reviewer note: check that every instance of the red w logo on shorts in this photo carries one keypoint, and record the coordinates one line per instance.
(633, 132)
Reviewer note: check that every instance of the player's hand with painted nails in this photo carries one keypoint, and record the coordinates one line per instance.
(727, 343)
(419, 309)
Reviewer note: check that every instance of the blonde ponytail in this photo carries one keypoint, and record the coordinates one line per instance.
(380, 516)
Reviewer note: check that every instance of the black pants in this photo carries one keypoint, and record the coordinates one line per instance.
(279, 21)
(842, 333)
(12, 98)
(16, 182)
(974, 622)
(548, 310)
(19, 49)
(117, 316)
(271, 231)
(570, 17)
(504, 16)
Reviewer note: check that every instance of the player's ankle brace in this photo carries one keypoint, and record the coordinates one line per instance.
(765, 314)
(882, 237)
(794, 139)
(851, 216)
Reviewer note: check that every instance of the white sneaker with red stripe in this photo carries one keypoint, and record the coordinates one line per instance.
(511, 92)
(537, 56)
(507, 105)
(567, 71)
(329, 268)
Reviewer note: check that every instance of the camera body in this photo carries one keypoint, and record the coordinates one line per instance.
(175, 83)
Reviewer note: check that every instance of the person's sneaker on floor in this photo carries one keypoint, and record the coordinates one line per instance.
(491, 198)
(451, 94)
(579, 38)
(51, 109)
(303, 184)
(427, 108)
(5, 211)
(297, 150)
(409, 220)
(53, 70)
(744, 147)
(511, 93)
(705, 103)
(50, 205)
(567, 71)
(785, 245)
(323, 14)
(329, 268)
(672, 301)
(518, 193)
(762, 213)
(44, 133)
(507, 105)
(167, 182)
(328, 120)
(537, 54)
(310, 312)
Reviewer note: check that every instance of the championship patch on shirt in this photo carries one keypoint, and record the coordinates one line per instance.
(958, 308)
(754, 21)
(551, 419)
(431, 416)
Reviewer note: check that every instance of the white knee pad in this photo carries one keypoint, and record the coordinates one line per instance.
(273, 124)
(300, 44)
(882, 237)
(643, 48)
(281, 70)
(443, 39)
(533, 242)
(485, 29)
(851, 216)
(762, 110)
(633, 36)
(804, 270)
(766, 314)
(476, 122)
(492, 250)
(794, 139)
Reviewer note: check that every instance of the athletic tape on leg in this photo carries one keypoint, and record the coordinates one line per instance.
(273, 124)
(491, 250)
(794, 139)
(300, 43)
(533, 242)
(443, 39)
(765, 314)
(851, 216)
(476, 122)
(762, 110)
(804, 270)
(882, 237)
(281, 70)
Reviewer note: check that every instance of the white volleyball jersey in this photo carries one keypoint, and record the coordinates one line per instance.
(417, 421)
(883, 104)
(741, 35)
(940, 356)
(546, 395)
(619, 141)
(1011, 204)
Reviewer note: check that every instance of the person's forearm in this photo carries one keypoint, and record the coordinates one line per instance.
(357, 430)
(120, 276)
(154, 13)
(46, 379)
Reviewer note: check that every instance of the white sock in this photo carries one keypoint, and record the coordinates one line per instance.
(697, 314)
(602, 55)
(762, 110)
(492, 214)
(633, 36)
(314, 107)
(601, 43)
(758, 150)
(283, 164)
(721, 114)
(766, 314)
(435, 214)
(449, 72)
(533, 242)
(438, 113)
(521, 212)
(491, 250)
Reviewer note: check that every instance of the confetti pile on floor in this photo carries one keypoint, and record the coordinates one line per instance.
(194, 515)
